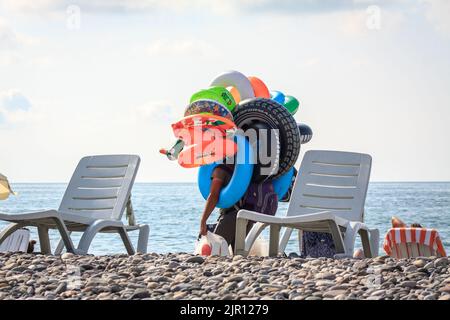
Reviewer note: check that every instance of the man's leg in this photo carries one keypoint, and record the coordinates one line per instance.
(226, 226)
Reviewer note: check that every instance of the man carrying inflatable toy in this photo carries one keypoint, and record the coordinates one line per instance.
(245, 142)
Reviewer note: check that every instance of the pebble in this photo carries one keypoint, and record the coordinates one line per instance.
(195, 259)
(429, 265)
(325, 276)
(333, 293)
(408, 284)
(180, 295)
(61, 288)
(440, 262)
(378, 293)
(445, 289)
(326, 283)
(140, 294)
(410, 269)
(67, 255)
(272, 287)
(173, 265)
(313, 298)
(296, 282)
(237, 278)
(419, 263)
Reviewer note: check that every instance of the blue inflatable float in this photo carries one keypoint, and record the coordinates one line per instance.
(277, 96)
(241, 178)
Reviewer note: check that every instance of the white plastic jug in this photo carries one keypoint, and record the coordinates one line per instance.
(212, 245)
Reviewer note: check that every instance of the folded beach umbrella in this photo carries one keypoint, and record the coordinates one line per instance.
(5, 188)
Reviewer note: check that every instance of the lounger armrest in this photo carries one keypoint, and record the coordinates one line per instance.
(258, 217)
(289, 220)
(373, 236)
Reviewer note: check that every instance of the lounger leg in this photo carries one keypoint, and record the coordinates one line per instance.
(364, 234)
(8, 230)
(144, 231)
(300, 241)
(274, 240)
(374, 241)
(285, 239)
(337, 237)
(60, 246)
(88, 236)
(253, 235)
(65, 236)
(239, 240)
(44, 240)
(93, 229)
(126, 241)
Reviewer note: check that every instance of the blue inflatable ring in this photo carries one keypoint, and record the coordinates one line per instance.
(240, 180)
(277, 96)
(281, 184)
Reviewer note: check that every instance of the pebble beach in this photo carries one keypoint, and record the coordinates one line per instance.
(185, 276)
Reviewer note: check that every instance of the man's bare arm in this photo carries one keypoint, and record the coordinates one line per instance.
(218, 178)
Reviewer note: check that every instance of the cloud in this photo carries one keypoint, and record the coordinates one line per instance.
(14, 107)
(14, 100)
(11, 43)
(8, 38)
(12, 40)
(438, 13)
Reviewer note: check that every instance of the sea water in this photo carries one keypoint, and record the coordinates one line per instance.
(173, 211)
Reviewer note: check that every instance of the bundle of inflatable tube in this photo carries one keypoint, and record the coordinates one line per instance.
(238, 121)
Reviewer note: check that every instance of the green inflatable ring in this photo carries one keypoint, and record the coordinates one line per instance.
(218, 94)
(291, 104)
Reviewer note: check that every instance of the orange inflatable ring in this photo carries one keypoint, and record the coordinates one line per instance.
(259, 89)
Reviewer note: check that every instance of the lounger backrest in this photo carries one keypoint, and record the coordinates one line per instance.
(331, 181)
(413, 250)
(101, 186)
(17, 241)
(412, 242)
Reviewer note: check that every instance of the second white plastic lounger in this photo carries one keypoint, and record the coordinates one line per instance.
(16, 242)
(328, 196)
(95, 200)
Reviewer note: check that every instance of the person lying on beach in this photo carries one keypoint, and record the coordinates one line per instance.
(397, 223)
(226, 223)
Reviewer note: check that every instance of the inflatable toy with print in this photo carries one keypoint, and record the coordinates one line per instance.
(239, 118)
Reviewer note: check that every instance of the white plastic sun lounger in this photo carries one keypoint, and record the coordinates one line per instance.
(94, 201)
(16, 242)
(328, 196)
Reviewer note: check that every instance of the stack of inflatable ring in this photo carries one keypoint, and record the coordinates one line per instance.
(234, 101)
(257, 109)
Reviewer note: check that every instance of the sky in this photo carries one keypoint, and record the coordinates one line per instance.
(104, 77)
